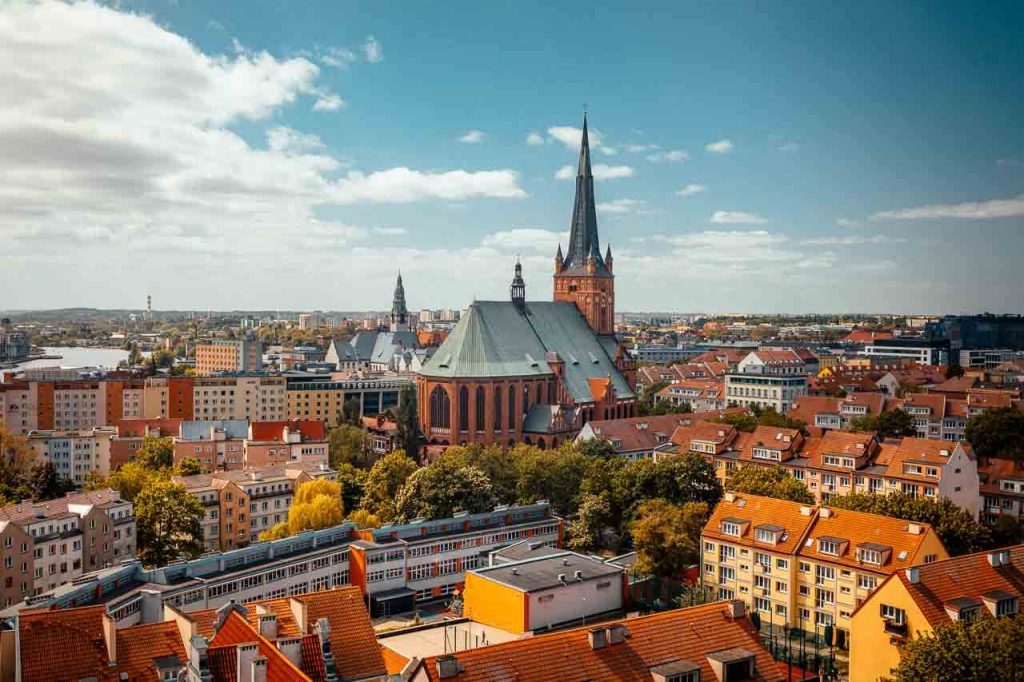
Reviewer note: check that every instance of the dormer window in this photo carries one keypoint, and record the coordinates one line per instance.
(769, 533)
(831, 546)
(730, 528)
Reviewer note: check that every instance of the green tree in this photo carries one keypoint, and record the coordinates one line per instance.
(352, 480)
(384, 481)
(593, 516)
(132, 478)
(498, 463)
(596, 447)
(15, 464)
(645, 400)
(188, 466)
(958, 530)
(890, 424)
(407, 421)
(45, 484)
(554, 475)
(363, 519)
(156, 453)
(351, 412)
(987, 649)
(167, 519)
(998, 432)
(441, 489)
(666, 536)
(769, 481)
(94, 480)
(348, 444)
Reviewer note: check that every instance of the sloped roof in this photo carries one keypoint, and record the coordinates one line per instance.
(138, 645)
(236, 630)
(64, 644)
(690, 635)
(861, 527)
(758, 511)
(495, 339)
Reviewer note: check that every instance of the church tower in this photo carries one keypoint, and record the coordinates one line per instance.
(399, 313)
(582, 276)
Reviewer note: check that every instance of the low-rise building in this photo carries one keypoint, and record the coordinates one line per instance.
(803, 566)
(768, 378)
(540, 592)
(132, 433)
(638, 437)
(700, 395)
(912, 602)
(825, 412)
(710, 643)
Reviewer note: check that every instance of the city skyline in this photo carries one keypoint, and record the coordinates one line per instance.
(805, 159)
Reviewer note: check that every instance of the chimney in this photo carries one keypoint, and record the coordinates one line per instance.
(259, 669)
(322, 629)
(913, 575)
(268, 626)
(447, 667)
(825, 513)
(246, 654)
(198, 663)
(805, 511)
(730, 496)
(578, 575)
(299, 613)
(110, 638)
(915, 528)
(291, 648)
(737, 609)
(561, 578)
(598, 638)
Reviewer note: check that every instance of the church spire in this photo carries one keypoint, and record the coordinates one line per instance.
(518, 288)
(399, 311)
(584, 245)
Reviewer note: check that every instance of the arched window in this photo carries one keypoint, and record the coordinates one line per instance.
(511, 408)
(440, 409)
(526, 398)
(540, 393)
(463, 409)
(480, 400)
(551, 393)
(497, 408)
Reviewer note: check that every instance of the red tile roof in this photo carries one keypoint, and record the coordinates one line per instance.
(138, 645)
(757, 510)
(136, 428)
(866, 336)
(311, 430)
(680, 635)
(236, 630)
(64, 644)
(969, 575)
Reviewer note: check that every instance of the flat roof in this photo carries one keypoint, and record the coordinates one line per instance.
(530, 575)
(443, 637)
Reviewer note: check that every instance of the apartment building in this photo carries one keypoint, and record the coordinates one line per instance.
(239, 505)
(44, 545)
(310, 561)
(215, 444)
(62, 405)
(235, 443)
(710, 643)
(807, 567)
(700, 395)
(74, 453)
(639, 437)
(768, 378)
(229, 355)
(826, 412)
(838, 462)
(320, 398)
(915, 600)
(131, 433)
(1002, 488)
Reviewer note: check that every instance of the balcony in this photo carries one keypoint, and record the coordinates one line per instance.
(895, 628)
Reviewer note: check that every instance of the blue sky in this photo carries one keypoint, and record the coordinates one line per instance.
(763, 157)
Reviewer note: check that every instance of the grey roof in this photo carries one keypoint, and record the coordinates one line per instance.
(524, 549)
(199, 430)
(389, 344)
(495, 339)
(539, 418)
(583, 240)
(530, 575)
(341, 351)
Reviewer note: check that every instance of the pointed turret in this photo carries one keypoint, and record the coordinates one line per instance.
(399, 311)
(608, 258)
(518, 289)
(559, 259)
(584, 244)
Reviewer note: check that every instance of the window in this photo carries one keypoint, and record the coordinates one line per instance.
(440, 409)
(782, 564)
(730, 528)
(805, 567)
(765, 535)
(893, 614)
(1006, 607)
(728, 573)
(762, 604)
(480, 413)
(511, 408)
(824, 573)
(826, 546)
(463, 409)
(726, 552)
(497, 409)
(867, 582)
(869, 556)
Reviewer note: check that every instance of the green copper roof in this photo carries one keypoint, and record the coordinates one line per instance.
(494, 340)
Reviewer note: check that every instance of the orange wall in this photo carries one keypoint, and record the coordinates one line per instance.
(180, 398)
(357, 568)
(495, 604)
(44, 404)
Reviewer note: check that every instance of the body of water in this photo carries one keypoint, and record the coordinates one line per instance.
(79, 357)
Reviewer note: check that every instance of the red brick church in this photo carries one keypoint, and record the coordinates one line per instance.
(534, 372)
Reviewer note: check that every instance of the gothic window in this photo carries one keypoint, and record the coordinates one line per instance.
(540, 393)
(526, 398)
(511, 408)
(463, 409)
(480, 408)
(440, 409)
(497, 408)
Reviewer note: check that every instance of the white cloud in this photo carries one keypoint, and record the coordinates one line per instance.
(534, 139)
(736, 218)
(789, 147)
(608, 151)
(671, 156)
(978, 210)
(720, 147)
(600, 171)
(571, 136)
(389, 231)
(690, 189)
(525, 239)
(744, 250)
(373, 51)
(328, 101)
(619, 205)
(338, 57)
(473, 137)
(853, 240)
(640, 148)
(115, 131)
(847, 222)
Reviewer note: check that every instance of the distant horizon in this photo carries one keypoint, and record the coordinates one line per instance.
(798, 157)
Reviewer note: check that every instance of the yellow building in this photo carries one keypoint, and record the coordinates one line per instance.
(916, 600)
(807, 567)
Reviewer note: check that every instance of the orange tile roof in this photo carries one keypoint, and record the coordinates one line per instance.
(969, 575)
(866, 336)
(394, 661)
(236, 630)
(956, 385)
(806, 407)
(683, 634)
(861, 527)
(599, 387)
(65, 644)
(311, 430)
(788, 441)
(138, 645)
(758, 510)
